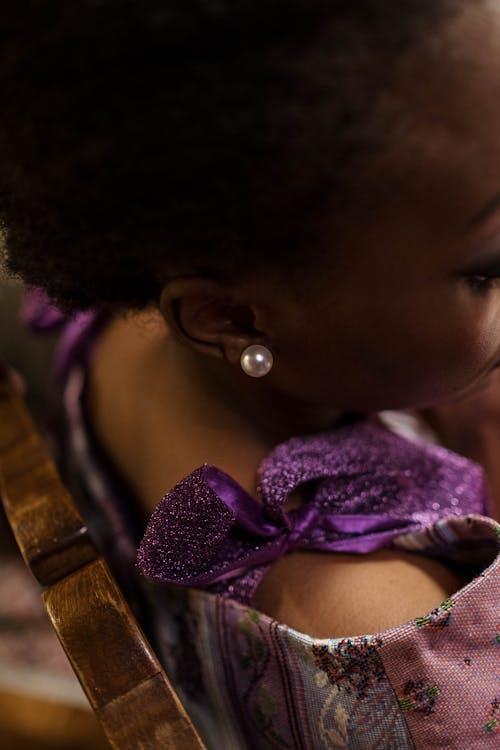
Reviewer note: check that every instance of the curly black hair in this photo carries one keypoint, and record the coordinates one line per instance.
(139, 137)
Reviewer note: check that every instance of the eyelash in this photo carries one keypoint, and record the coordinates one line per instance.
(482, 283)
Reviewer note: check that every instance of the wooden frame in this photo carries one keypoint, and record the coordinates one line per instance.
(121, 676)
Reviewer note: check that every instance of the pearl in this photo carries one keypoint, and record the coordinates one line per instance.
(256, 361)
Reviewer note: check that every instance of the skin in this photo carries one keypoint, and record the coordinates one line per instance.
(394, 318)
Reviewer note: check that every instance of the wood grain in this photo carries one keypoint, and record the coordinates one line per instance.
(175, 733)
(86, 608)
(51, 534)
(121, 676)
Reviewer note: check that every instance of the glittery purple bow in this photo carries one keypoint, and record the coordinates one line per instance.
(362, 484)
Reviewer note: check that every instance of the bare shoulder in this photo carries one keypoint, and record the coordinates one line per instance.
(332, 595)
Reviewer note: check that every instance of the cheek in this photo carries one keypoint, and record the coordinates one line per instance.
(443, 349)
(487, 329)
(474, 329)
(413, 355)
(412, 351)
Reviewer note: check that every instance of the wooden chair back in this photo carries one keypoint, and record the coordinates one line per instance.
(121, 676)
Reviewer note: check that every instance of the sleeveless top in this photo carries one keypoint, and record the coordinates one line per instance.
(252, 683)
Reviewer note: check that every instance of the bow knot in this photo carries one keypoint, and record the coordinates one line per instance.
(365, 486)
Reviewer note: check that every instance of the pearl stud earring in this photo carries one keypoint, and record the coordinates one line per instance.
(256, 361)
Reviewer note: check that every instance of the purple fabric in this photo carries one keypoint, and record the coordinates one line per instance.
(79, 332)
(78, 335)
(363, 486)
(39, 313)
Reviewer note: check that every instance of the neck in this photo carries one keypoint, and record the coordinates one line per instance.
(216, 394)
(161, 410)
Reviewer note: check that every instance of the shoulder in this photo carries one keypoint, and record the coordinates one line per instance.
(333, 595)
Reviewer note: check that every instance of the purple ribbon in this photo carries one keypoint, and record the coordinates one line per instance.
(363, 487)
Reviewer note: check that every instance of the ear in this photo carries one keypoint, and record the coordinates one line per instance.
(207, 316)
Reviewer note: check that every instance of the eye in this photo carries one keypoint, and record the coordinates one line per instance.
(482, 283)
